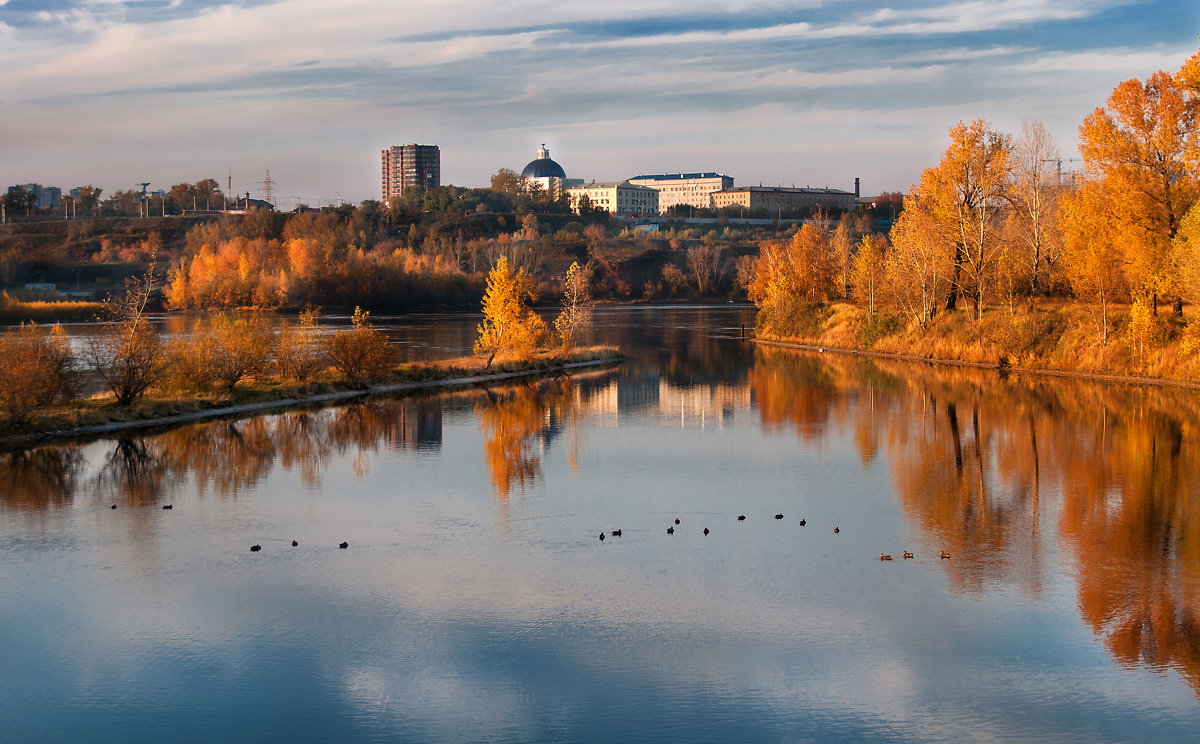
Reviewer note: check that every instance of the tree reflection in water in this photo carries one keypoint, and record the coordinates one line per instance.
(511, 420)
(42, 478)
(974, 455)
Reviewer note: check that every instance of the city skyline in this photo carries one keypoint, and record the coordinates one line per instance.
(803, 93)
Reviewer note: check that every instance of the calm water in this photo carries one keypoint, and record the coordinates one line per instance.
(475, 602)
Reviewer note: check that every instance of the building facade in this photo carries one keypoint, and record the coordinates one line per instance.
(785, 200)
(410, 165)
(618, 197)
(689, 189)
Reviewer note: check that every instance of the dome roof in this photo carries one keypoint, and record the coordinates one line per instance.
(543, 167)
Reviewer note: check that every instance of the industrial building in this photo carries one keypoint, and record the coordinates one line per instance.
(780, 200)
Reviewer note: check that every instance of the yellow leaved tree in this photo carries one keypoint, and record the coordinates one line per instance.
(509, 324)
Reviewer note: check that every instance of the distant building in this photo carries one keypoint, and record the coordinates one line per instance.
(780, 199)
(691, 189)
(618, 197)
(548, 174)
(43, 196)
(410, 165)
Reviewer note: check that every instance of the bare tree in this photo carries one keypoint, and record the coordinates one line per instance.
(708, 265)
(127, 354)
(1034, 195)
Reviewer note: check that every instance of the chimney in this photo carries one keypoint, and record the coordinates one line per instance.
(856, 189)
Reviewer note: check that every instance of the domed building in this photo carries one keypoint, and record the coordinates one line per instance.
(543, 166)
(545, 172)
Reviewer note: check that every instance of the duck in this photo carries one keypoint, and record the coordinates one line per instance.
(616, 533)
(601, 537)
(908, 554)
(294, 543)
(114, 506)
(836, 530)
(884, 557)
(945, 554)
(255, 548)
(741, 517)
(670, 530)
(706, 530)
(168, 506)
(676, 521)
(803, 522)
(779, 516)
(344, 545)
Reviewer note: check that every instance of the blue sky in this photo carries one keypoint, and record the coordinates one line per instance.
(777, 92)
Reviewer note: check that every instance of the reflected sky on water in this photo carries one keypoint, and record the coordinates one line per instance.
(475, 602)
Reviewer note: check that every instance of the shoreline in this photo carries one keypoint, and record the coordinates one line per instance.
(995, 366)
(41, 437)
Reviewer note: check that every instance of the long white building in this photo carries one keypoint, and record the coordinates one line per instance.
(691, 189)
(618, 197)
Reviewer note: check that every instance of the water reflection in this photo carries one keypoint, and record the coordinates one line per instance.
(44, 478)
(974, 458)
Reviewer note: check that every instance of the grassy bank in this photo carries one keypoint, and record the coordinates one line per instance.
(158, 408)
(1061, 338)
(19, 311)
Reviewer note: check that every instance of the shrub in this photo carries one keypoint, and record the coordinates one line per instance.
(38, 369)
(361, 352)
(222, 352)
(298, 351)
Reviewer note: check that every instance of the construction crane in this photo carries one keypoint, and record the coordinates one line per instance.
(1059, 161)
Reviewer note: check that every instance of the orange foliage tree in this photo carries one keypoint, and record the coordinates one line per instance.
(509, 324)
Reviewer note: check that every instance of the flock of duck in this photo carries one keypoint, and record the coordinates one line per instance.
(803, 522)
(255, 547)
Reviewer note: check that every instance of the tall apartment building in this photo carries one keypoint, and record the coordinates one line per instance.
(691, 189)
(410, 165)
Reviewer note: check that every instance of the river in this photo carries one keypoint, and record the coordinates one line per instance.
(475, 601)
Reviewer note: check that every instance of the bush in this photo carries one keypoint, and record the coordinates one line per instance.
(298, 352)
(222, 352)
(38, 369)
(128, 357)
(361, 353)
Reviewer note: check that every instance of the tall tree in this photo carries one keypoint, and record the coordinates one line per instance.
(509, 325)
(963, 199)
(1136, 149)
(1034, 195)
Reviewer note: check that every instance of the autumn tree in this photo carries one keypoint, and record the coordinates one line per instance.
(867, 269)
(1092, 259)
(918, 270)
(841, 254)
(222, 351)
(962, 200)
(1136, 150)
(38, 369)
(575, 320)
(509, 324)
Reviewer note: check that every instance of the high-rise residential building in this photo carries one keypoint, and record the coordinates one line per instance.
(410, 165)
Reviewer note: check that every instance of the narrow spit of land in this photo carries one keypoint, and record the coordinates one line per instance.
(101, 415)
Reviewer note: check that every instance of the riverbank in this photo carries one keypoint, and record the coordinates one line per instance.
(102, 415)
(1062, 340)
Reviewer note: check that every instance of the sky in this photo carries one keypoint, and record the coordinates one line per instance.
(772, 92)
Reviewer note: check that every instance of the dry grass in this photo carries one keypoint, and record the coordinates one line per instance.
(19, 311)
(1051, 336)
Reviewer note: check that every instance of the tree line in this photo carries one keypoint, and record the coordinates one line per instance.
(997, 223)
